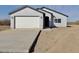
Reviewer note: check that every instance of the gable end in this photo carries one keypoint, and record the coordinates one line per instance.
(24, 8)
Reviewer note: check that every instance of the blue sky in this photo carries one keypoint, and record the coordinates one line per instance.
(71, 10)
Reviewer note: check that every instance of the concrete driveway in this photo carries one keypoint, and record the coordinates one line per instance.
(18, 40)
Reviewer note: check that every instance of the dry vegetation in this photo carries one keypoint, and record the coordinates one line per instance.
(4, 24)
(59, 40)
(73, 23)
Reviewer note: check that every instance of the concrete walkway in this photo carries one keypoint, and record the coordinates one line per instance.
(18, 40)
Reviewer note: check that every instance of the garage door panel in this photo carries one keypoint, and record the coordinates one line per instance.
(27, 22)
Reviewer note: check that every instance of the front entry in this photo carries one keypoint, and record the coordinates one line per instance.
(46, 22)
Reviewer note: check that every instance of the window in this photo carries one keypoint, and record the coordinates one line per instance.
(57, 20)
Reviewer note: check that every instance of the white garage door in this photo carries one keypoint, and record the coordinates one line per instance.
(27, 22)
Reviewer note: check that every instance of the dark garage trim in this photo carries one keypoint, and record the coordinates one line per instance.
(14, 22)
(27, 16)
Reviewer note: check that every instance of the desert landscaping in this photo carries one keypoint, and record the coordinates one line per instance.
(56, 40)
(59, 40)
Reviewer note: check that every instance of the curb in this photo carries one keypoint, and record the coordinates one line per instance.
(31, 50)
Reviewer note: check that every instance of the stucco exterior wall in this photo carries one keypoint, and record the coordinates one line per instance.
(58, 16)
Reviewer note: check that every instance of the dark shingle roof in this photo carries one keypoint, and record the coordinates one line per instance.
(35, 10)
(23, 8)
(55, 11)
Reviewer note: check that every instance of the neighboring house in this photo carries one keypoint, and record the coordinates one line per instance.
(28, 17)
(59, 19)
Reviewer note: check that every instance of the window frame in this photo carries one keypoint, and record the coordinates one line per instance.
(58, 20)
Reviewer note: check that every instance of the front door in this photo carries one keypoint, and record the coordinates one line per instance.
(46, 22)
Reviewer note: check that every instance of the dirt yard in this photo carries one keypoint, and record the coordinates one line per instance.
(4, 27)
(59, 40)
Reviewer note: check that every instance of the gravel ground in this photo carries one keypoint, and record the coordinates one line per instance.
(59, 40)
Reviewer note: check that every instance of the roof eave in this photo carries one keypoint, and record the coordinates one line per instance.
(55, 11)
(23, 8)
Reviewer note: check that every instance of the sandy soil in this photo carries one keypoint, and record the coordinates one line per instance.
(59, 40)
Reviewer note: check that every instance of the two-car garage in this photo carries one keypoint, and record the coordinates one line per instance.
(27, 22)
(26, 17)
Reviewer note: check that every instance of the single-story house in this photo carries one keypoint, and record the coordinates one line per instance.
(28, 17)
